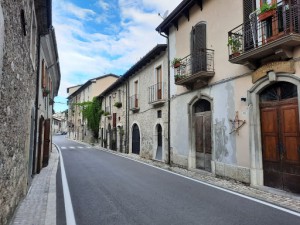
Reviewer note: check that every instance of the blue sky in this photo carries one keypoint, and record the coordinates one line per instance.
(96, 37)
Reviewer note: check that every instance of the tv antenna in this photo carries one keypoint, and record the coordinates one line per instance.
(165, 15)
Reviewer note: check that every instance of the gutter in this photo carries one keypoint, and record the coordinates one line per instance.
(169, 101)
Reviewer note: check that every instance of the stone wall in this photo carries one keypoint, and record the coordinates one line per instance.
(17, 97)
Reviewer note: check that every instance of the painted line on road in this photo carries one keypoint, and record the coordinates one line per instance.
(213, 186)
(72, 147)
(67, 197)
(63, 147)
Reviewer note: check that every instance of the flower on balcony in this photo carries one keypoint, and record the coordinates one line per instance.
(266, 7)
(46, 92)
(118, 104)
(176, 62)
(234, 43)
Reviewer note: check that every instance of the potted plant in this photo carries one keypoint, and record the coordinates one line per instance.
(106, 113)
(46, 92)
(176, 62)
(235, 44)
(118, 104)
(266, 11)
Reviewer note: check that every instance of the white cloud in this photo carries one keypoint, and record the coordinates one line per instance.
(104, 5)
(84, 54)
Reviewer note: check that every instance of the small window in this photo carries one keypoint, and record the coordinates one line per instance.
(23, 22)
(158, 113)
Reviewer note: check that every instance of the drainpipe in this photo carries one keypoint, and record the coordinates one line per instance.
(169, 101)
(127, 117)
(36, 105)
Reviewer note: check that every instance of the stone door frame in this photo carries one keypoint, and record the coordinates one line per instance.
(255, 141)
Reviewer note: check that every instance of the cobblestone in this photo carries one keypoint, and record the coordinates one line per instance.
(39, 206)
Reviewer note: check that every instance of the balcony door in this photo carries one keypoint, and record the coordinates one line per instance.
(198, 48)
(159, 82)
(279, 117)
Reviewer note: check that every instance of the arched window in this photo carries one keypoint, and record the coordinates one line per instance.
(202, 106)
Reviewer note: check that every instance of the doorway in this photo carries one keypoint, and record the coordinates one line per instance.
(279, 117)
(202, 121)
(135, 139)
(158, 155)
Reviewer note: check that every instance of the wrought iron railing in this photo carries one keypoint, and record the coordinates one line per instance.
(156, 92)
(263, 28)
(134, 102)
(200, 61)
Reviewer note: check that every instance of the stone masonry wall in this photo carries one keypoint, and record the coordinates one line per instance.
(17, 95)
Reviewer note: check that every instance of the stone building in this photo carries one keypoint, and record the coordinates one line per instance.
(60, 122)
(234, 94)
(78, 129)
(148, 105)
(113, 122)
(22, 24)
(140, 124)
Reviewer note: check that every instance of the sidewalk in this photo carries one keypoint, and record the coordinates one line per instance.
(39, 206)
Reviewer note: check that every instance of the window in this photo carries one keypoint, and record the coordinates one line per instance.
(44, 75)
(159, 82)
(158, 113)
(136, 86)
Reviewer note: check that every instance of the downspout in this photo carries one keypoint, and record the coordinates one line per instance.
(127, 117)
(169, 101)
(36, 105)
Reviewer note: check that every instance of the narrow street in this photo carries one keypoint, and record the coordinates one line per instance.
(109, 189)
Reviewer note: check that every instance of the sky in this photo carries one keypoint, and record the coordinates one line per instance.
(97, 37)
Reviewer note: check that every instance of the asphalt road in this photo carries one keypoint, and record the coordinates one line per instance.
(108, 189)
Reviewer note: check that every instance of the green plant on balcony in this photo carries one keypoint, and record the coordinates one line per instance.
(176, 62)
(235, 44)
(106, 113)
(46, 92)
(266, 11)
(118, 104)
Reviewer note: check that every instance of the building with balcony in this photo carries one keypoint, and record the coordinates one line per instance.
(78, 128)
(113, 123)
(237, 114)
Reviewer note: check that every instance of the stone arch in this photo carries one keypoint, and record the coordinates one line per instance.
(255, 140)
(135, 139)
(192, 159)
(158, 141)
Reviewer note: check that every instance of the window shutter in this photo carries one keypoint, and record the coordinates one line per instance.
(249, 23)
(198, 47)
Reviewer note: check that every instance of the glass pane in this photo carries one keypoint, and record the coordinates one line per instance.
(202, 106)
(279, 91)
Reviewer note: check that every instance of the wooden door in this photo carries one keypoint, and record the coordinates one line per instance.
(135, 139)
(281, 137)
(40, 145)
(46, 142)
(203, 140)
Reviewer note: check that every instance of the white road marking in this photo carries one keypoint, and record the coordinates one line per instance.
(63, 147)
(67, 198)
(72, 147)
(80, 147)
(216, 187)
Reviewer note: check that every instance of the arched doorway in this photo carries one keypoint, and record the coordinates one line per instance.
(135, 139)
(46, 153)
(109, 136)
(158, 155)
(202, 121)
(280, 136)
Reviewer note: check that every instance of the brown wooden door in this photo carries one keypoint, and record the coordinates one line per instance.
(46, 142)
(280, 142)
(203, 140)
(40, 146)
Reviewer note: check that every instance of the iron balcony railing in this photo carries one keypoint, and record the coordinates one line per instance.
(262, 28)
(134, 102)
(200, 61)
(156, 92)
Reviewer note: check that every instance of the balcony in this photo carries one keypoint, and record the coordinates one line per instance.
(134, 103)
(156, 94)
(196, 69)
(266, 37)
